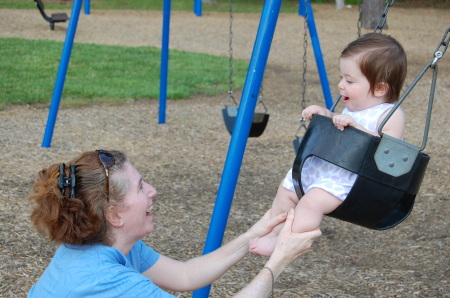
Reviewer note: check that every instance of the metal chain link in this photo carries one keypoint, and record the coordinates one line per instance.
(361, 3)
(382, 19)
(230, 67)
(305, 64)
(441, 48)
(305, 48)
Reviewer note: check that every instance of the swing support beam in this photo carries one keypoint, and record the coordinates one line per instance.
(241, 130)
(244, 118)
(317, 51)
(62, 71)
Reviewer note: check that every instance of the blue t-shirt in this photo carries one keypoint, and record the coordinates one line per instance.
(100, 271)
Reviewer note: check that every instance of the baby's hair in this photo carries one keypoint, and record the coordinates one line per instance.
(78, 220)
(381, 59)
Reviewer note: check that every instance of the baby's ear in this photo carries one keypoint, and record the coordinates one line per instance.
(381, 89)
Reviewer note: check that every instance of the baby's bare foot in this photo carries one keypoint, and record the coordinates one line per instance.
(263, 246)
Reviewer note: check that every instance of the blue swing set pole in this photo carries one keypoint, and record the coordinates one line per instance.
(241, 130)
(317, 52)
(62, 71)
(87, 6)
(164, 62)
(198, 7)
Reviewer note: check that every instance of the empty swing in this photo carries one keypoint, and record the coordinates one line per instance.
(230, 110)
(390, 171)
(54, 17)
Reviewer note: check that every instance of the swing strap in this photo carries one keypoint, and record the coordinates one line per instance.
(438, 54)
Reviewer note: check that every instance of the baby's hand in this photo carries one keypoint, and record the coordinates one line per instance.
(311, 110)
(341, 121)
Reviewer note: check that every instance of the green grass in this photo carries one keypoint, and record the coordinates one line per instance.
(186, 5)
(99, 73)
(111, 74)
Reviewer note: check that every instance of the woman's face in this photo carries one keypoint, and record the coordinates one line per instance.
(136, 212)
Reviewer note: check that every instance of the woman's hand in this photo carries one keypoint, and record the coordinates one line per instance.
(288, 248)
(291, 245)
(266, 224)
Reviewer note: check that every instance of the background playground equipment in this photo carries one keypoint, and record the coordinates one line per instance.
(230, 110)
(54, 17)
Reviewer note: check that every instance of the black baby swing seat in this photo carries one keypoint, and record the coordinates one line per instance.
(259, 122)
(389, 172)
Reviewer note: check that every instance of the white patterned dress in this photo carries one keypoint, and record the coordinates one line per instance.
(318, 173)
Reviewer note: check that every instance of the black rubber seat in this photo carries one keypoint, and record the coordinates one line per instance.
(54, 18)
(379, 199)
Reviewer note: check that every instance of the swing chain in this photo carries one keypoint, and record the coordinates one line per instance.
(260, 98)
(359, 25)
(305, 64)
(383, 17)
(441, 48)
(230, 67)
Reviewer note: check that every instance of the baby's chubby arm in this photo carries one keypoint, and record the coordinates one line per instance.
(314, 109)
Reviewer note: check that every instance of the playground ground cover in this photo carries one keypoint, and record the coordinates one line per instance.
(184, 158)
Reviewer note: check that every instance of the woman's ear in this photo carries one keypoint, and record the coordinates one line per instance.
(381, 89)
(112, 217)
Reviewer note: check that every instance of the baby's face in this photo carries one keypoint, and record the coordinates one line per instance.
(354, 87)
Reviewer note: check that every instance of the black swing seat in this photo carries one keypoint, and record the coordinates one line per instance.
(389, 172)
(54, 18)
(259, 121)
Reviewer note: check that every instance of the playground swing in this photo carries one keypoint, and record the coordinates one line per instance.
(53, 18)
(230, 110)
(378, 27)
(389, 170)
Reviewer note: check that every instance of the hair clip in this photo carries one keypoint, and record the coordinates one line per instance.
(67, 181)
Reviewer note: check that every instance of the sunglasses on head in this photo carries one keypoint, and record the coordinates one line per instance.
(107, 160)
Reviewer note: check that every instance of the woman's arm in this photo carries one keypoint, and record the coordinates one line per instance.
(202, 271)
(288, 248)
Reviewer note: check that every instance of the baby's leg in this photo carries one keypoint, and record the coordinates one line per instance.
(311, 208)
(283, 202)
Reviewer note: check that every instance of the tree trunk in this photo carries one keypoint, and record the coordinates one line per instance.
(371, 11)
(340, 4)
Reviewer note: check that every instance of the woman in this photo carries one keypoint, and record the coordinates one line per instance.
(99, 210)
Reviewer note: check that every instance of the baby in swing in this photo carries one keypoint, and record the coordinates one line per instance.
(373, 70)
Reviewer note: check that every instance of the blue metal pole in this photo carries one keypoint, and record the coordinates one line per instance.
(317, 53)
(198, 7)
(87, 6)
(164, 62)
(62, 71)
(241, 130)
